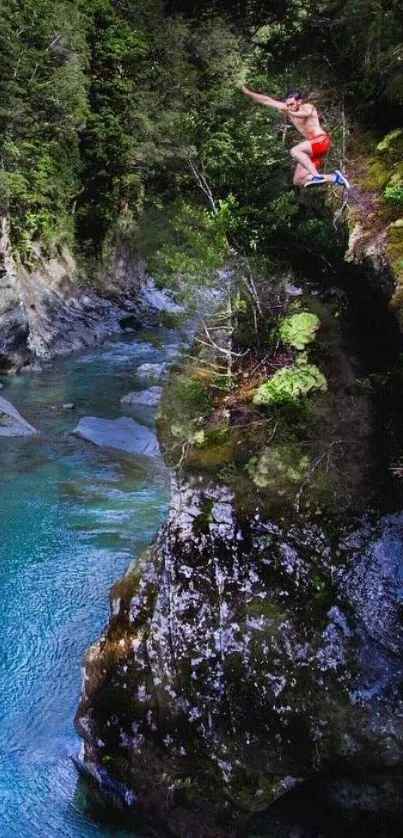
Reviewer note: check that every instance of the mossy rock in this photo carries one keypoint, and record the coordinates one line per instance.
(208, 437)
(279, 468)
(384, 166)
(392, 141)
(211, 457)
(193, 393)
(289, 384)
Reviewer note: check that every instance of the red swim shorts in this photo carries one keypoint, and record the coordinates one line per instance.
(319, 145)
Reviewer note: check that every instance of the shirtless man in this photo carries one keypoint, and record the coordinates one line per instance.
(308, 154)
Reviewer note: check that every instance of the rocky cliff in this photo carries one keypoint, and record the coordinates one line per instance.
(256, 644)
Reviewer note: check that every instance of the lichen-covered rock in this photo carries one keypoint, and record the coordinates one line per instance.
(242, 654)
(235, 664)
(374, 211)
(373, 579)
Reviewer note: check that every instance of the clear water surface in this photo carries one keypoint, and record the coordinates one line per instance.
(72, 517)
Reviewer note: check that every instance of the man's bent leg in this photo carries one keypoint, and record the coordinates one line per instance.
(301, 176)
(303, 154)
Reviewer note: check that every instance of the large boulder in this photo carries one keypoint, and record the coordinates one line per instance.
(12, 423)
(124, 434)
(233, 668)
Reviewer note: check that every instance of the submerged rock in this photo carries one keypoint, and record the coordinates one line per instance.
(148, 398)
(151, 372)
(123, 434)
(12, 423)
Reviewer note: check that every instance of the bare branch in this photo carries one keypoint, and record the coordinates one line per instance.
(202, 183)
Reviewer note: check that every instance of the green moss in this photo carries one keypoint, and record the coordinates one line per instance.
(211, 436)
(392, 141)
(252, 789)
(128, 586)
(377, 174)
(171, 320)
(212, 457)
(178, 430)
(394, 194)
(278, 468)
(193, 393)
(299, 329)
(289, 384)
(384, 167)
(204, 519)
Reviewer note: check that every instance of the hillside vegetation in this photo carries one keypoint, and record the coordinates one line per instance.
(120, 118)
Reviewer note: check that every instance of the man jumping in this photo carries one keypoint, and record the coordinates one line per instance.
(308, 154)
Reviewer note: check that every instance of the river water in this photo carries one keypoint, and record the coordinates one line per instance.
(72, 518)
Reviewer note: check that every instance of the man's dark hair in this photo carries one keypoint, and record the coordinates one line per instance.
(293, 94)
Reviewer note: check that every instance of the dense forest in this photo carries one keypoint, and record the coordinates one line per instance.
(122, 117)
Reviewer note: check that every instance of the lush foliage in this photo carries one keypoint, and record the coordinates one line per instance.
(44, 103)
(112, 112)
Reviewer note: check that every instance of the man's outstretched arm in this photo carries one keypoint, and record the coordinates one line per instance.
(264, 100)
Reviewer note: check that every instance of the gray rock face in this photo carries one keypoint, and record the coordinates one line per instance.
(146, 398)
(151, 372)
(45, 311)
(124, 434)
(14, 329)
(238, 655)
(158, 298)
(12, 423)
(373, 580)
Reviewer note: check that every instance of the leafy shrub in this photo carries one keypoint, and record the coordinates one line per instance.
(394, 194)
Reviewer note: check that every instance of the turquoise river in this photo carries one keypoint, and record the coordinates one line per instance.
(72, 518)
